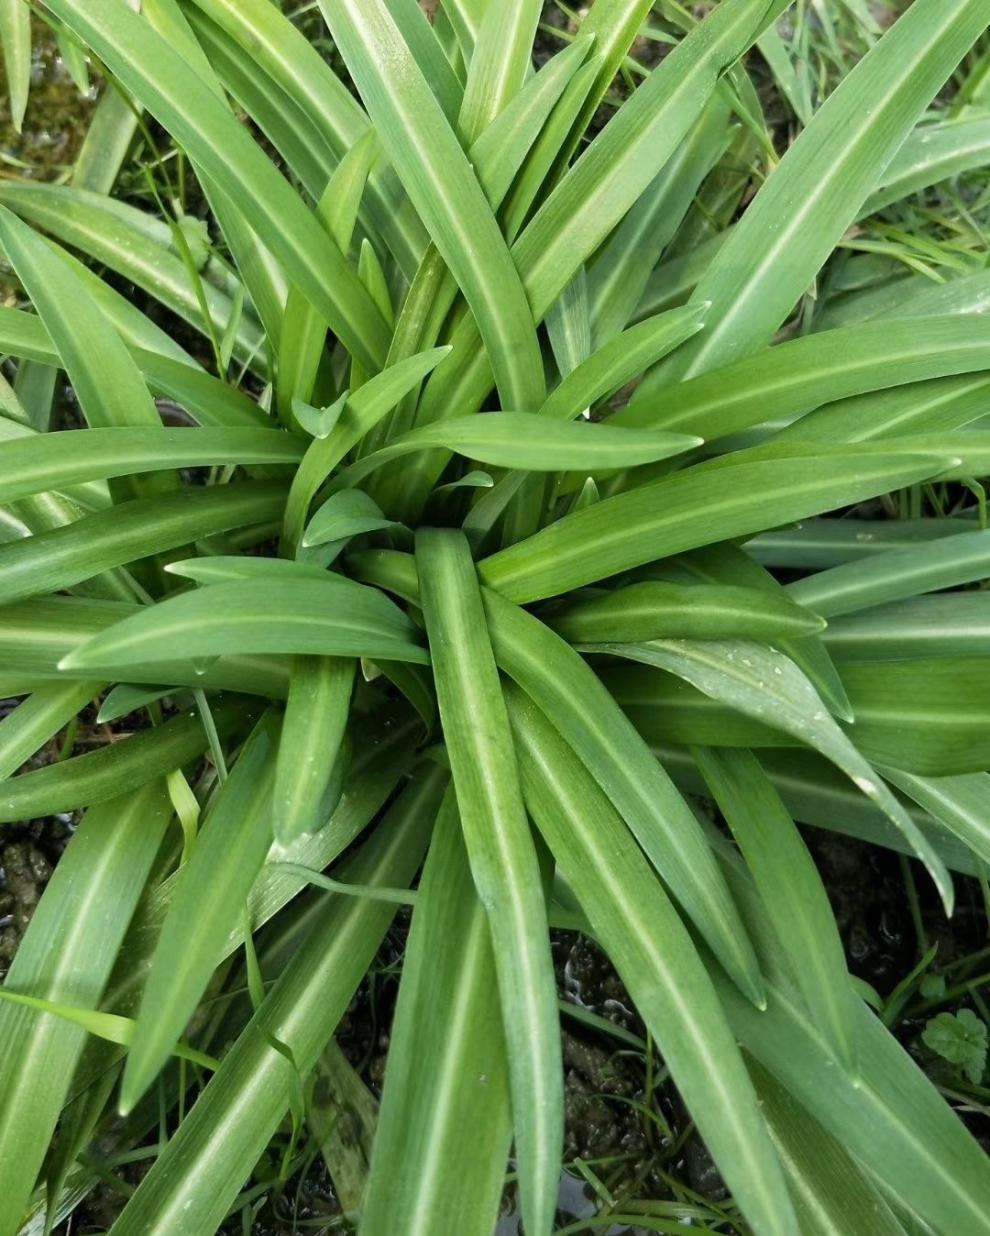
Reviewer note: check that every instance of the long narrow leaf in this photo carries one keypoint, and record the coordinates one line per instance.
(566, 688)
(786, 878)
(817, 191)
(55, 460)
(502, 855)
(15, 35)
(187, 107)
(312, 733)
(441, 184)
(66, 956)
(241, 616)
(207, 904)
(238, 1113)
(662, 519)
(38, 719)
(132, 530)
(110, 771)
(763, 684)
(654, 954)
(446, 1092)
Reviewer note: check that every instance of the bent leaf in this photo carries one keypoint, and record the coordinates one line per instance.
(767, 686)
(331, 617)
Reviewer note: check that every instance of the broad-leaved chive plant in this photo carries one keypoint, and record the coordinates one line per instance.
(508, 551)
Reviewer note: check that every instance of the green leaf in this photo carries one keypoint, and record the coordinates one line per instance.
(36, 720)
(428, 53)
(816, 793)
(666, 710)
(344, 515)
(142, 249)
(655, 610)
(126, 698)
(787, 381)
(965, 454)
(953, 624)
(108, 1026)
(805, 206)
(442, 186)
(792, 892)
(287, 126)
(816, 544)
(960, 1038)
(599, 190)
(36, 635)
(665, 518)
(933, 153)
(942, 1175)
(242, 1107)
(625, 157)
(66, 957)
(531, 443)
(256, 616)
(927, 716)
(319, 422)
(372, 779)
(446, 1095)
(316, 714)
(962, 804)
(115, 768)
(106, 380)
(23, 334)
(502, 855)
(465, 17)
(372, 776)
(502, 149)
(274, 51)
(342, 1114)
(303, 335)
(726, 564)
(222, 568)
(564, 687)
(767, 686)
(832, 1194)
(132, 530)
(157, 75)
(208, 902)
(108, 138)
(362, 411)
(15, 35)
(499, 65)
(621, 359)
(656, 958)
(568, 327)
(896, 574)
(538, 170)
(54, 460)
(620, 271)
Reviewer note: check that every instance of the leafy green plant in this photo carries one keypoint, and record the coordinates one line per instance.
(961, 1039)
(527, 501)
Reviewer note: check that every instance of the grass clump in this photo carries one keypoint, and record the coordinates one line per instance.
(506, 503)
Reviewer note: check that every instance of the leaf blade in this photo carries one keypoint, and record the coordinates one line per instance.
(658, 520)
(212, 889)
(502, 856)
